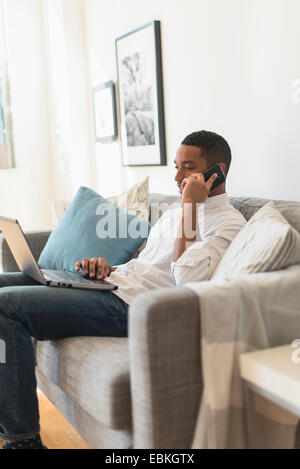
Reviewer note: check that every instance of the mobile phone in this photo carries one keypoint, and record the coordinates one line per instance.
(214, 169)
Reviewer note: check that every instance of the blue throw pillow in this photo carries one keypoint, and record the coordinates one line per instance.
(93, 227)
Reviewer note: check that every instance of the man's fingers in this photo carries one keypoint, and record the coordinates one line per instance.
(182, 185)
(106, 271)
(94, 267)
(100, 267)
(86, 266)
(93, 263)
(211, 180)
(198, 176)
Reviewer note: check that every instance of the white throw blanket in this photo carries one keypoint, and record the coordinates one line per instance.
(256, 312)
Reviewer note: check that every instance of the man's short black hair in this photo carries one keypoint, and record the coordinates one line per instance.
(214, 148)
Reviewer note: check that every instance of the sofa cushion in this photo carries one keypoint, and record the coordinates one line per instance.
(266, 243)
(248, 206)
(94, 372)
(93, 227)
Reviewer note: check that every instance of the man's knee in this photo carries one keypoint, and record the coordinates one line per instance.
(14, 279)
(9, 300)
(19, 301)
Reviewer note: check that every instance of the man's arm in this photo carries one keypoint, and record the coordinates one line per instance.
(188, 230)
(195, 192)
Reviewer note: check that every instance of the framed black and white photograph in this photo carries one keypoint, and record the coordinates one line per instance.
(105, 112)
(140, 86)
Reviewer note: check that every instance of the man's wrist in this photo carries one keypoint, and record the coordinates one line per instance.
(192, 220)
(192, 201)
(188, 221)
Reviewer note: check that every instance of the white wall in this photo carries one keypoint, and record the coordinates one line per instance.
(69, 97)
(24, 191)
(229, 66)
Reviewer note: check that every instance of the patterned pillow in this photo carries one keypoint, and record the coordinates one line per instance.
(58, 208)
(267, 242)
(135, 201)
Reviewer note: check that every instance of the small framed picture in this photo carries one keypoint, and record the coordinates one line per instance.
(141, 101)
(105, 118)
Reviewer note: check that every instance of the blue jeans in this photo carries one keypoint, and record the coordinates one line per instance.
(28, 309)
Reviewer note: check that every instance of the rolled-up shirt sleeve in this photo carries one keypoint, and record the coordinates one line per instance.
(199, 261)
(193, 265)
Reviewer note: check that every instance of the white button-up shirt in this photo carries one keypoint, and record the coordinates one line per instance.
(218, 224)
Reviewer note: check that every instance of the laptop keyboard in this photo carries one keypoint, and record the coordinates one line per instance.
(67, 276)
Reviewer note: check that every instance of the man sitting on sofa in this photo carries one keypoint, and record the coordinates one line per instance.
(185, 245)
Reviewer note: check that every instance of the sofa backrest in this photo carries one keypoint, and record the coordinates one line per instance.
(248, 206)
(160, 203)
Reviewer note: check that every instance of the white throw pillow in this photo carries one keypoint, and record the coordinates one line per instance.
(135, 200)
(267, 242)
(58, 208)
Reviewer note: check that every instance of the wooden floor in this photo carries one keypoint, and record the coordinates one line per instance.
(56, 432)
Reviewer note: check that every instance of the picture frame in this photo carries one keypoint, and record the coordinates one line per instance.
(141, 100)
(105, 115)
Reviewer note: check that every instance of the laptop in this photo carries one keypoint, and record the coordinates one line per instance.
(22, 253)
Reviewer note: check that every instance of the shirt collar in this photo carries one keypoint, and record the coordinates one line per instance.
(216, 201)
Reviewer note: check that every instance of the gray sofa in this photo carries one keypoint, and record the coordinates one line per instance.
(140, 392)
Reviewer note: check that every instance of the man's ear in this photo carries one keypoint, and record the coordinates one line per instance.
(223, 167)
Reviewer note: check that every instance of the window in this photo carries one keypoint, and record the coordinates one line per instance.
(6, 148)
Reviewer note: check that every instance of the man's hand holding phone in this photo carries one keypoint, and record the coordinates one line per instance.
(197, 186)
(195, 189)
(97, 267)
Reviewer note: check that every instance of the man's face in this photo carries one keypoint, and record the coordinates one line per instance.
(187, 162)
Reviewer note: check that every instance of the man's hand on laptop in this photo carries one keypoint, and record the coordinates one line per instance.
(97, 267)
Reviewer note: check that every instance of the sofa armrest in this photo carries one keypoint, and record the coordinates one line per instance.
(36, 241)
(165, 367)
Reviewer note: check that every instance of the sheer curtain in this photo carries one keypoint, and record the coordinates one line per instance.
(70, 113)
(6, 146)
